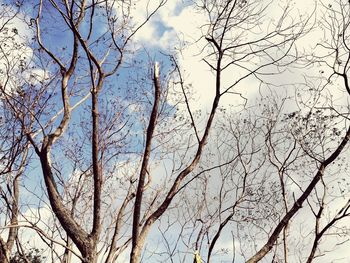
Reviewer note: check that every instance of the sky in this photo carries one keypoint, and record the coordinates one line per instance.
(176, 27)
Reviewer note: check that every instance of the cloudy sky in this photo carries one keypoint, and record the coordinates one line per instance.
(178, 28)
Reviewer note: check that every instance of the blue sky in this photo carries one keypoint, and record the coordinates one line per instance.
(175, 27)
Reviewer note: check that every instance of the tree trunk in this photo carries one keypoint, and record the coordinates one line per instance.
(91, 257)
(136, 254)
(4, 252)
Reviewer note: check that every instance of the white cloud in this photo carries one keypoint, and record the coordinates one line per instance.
(15, 53)
(183, 25)
(174, 29)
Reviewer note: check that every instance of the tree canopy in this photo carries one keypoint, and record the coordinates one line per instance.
(174, 131)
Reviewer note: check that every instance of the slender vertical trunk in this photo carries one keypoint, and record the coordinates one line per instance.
(141, 237)
(96, 167)
(136, 245)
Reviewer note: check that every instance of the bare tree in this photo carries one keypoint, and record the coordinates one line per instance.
(96, 56)
(224, 51)
(322, 131)
(123, 150)
(317, 137)
(14, 148)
